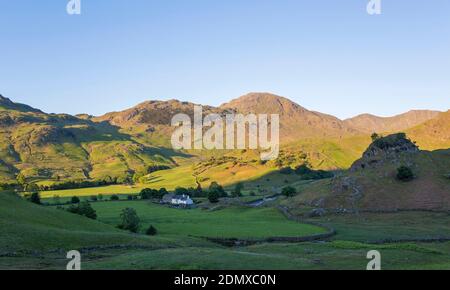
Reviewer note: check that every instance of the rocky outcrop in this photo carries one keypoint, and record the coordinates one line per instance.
(385, 149)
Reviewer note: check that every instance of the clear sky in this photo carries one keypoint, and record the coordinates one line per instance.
(326, 55)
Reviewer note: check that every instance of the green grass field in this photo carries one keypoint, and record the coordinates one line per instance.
(86, 192)
(371, 227)
(37, 237)
(305, 256)
(226, 223)
(29, 227)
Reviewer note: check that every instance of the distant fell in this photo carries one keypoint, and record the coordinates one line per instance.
(370, 123)
(7, 104)
(296, 122)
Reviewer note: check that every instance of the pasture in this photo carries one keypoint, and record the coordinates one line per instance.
(37, 237)
(233, 222)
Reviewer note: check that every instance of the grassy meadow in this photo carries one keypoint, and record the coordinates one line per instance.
(305, 256)
(233, 222)
(37, 237)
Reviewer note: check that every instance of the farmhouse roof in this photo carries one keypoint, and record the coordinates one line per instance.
(181, 197)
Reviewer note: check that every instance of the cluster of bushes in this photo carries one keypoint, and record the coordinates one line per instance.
(77, 184)
(148, 193)
(215, 192)
(93, 198)
(34, 198)
(405, 173)
(307, 173)
(114, 197)
(155, 168)
(76, 199)
(84, 209)
(389, 141)
(289, 191)
(193, 192)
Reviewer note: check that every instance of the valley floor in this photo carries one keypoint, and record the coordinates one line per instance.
(37, 237)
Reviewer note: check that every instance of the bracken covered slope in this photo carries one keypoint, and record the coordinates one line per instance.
(372, 183)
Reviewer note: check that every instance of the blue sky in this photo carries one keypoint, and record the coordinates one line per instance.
(326, 55)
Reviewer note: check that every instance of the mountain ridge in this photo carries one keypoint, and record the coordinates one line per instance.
(369, 123)
(7, 104)
(119, 144)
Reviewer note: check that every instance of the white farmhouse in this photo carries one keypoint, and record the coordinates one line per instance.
(182, 200)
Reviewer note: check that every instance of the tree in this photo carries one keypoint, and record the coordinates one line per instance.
(218, 189)
(162, 192)
(148, 193)
(75, 200)
(237, 192)
(100, 197)
(145, 193)
(114, 197)
(198, 191)
(151, 231)
(405, 173)
(94, 198)
(375, 137)
(213, 196)
(181, 191)
(83, 209)
(288, 191)
(35, 198)
(129, 220)
(87, 210)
